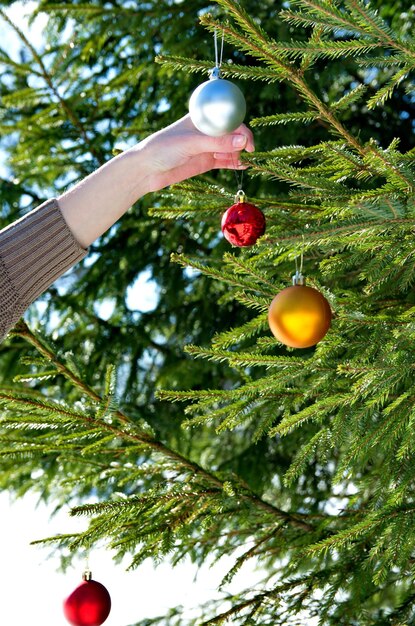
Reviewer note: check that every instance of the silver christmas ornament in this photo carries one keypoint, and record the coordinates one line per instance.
(217, 106)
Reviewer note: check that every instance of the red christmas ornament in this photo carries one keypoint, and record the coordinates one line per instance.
(243, 222)
(89, 604)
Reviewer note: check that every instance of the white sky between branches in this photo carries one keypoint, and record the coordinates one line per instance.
(32, 590)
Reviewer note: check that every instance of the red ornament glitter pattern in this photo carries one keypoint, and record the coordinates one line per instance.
(242, 224)
(88, 605)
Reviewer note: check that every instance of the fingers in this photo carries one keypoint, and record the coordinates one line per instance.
(197, 165)
(244, 130)
(240, 139)
(222, 161)
(234, 157)
(187, 124)
(235, 142)
(228, 164)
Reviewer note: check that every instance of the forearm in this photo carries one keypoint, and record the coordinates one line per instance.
(166, 157)
(94, 204)
(40, 247)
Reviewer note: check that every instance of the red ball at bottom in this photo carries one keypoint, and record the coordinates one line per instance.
(88, 605)
(242, 224)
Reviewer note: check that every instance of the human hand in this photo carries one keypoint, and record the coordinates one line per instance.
(180, 151)
(175, 153)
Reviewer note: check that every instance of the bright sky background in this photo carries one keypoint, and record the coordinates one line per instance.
(32, 591)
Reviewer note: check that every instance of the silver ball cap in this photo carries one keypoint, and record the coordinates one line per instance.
(298, 279)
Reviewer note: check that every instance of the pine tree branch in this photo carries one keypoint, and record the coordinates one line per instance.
(335, 18)
(339, 230)
(296, 77)
(379, 154)
(298, 520)
(20, 68)
(346, 21)
(48, 79)
(305, 117)
(382, 33)
(257, 599)
(288, 70)
(295, 177)
(232, 279)
(231, 70)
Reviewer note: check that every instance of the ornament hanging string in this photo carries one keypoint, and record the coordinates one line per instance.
(239, 179)
(218, 63)
(87, 569)
(298, 278)
(218, 59)
(301, 260)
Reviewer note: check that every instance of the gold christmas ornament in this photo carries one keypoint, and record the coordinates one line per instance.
(299, 316)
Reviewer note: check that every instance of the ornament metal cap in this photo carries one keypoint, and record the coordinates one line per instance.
(87, 575)
(240, 196)
(215, 73)
(298, 279)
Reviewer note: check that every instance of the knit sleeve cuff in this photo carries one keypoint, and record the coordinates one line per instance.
(34, 251)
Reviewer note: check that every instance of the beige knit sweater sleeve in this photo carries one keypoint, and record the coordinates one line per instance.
(34, 251)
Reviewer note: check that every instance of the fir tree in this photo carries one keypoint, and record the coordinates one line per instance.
(302, 457)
